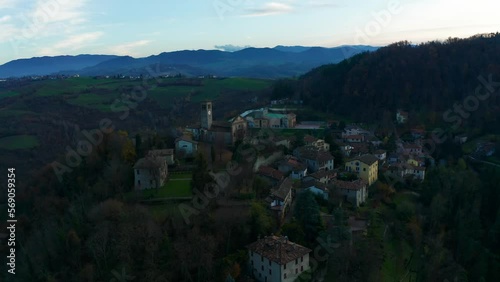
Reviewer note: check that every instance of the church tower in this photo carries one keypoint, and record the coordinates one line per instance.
(206, 115)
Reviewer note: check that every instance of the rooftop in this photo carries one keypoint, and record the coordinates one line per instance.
(349, 185)
(149, 162)
(270, 172)
(366, 159)
(283, 189)
(278, 249)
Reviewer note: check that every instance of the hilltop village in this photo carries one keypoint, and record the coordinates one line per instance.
(281, 160)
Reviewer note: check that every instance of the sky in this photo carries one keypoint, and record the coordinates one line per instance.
(34, 28)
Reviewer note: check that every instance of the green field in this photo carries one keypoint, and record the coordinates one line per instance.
(179, 185)
(8, 93)
(18, 142)
(100, 93)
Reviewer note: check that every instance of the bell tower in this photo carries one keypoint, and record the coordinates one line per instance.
(206, 115)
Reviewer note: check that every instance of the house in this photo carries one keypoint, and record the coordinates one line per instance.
(281, 198)
(277, 259)
(167, 153)
(366, 166)
(292, 165)
(354, 138)
(401, 116)
(353, 191)
(150, 172)
(314, 158)
(323, 176)
(410, 149)
(264, 118)
(380, 154)
(353, 130)
(318, 143)
(185, 147)
(316, 187)
(272, 175)
(346, 149)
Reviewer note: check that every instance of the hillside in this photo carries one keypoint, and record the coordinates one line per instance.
(275, 62)
(425, 80)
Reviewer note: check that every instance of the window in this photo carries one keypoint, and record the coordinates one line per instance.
(296, 261)
(301, 268)
(270, 272)
(269, 262)
(364, 169)
(262, 267)
(138, 172)
(138, 182)
(302, 259)
(296, 270)
(284, 276)
(261, 259)
(150, 182)
(284, 267)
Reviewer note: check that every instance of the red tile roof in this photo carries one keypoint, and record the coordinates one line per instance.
(349, 185)
(270, 172)
(278, 249)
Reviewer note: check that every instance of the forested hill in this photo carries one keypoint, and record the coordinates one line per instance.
(425, 79)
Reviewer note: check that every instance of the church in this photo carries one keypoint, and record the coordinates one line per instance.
(220, 132)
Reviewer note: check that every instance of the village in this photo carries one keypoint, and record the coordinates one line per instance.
(294, 160)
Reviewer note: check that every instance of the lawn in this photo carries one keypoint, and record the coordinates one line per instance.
(18, 142)
(179, 185)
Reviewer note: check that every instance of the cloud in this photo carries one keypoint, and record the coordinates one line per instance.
(272, 8)
(50, 11)
(230, 47)
(127, 49)
(72, 43)
(5, 19)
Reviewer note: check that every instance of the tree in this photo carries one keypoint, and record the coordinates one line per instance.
(307, 212)
(260, 222)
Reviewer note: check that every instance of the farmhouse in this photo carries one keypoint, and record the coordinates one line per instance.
(150, 172)
(167, 153)
(353, 191)
(276, 259)
(281, 198)
(314, 159)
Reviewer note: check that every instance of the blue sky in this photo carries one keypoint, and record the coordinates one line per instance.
(30, 28)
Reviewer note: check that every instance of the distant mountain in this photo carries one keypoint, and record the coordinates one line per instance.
(280, 61)
(49, 65)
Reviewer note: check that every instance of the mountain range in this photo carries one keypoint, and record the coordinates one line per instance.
(280, 61)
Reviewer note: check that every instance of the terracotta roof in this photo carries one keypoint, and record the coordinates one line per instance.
(324, 173)
(366, 159)
(349, 185)
(147, 163)
(283, 189)
(312, 153)
(270, 172)
(278, 249)
(310, 139)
